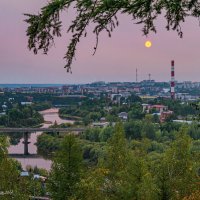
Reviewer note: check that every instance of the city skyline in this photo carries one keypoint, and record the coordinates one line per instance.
(116, 59)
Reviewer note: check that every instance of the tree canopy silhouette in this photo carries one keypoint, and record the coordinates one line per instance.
(45, 26)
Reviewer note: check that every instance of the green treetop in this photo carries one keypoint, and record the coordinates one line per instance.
(66, 170)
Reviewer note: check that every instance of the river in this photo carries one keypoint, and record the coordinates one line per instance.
(50, 116)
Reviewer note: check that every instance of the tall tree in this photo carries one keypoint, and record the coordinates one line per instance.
(177, 170)
(66, 170)
(46, 25)
(127, 173)
(148, 129)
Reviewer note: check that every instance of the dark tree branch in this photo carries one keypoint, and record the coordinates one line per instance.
(102, 13)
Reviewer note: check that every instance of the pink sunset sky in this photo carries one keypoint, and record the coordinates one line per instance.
(116, 59)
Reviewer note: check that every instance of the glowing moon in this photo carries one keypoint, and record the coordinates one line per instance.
(148, 44)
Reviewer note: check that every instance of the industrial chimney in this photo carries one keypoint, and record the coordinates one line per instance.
(172, 80)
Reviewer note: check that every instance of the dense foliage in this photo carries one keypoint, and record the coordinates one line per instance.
(66, 170)
(125, 171)
(12, 184)
(137, 160)
(21, 116)
(183, 109)
(41, 106)
(96, 109)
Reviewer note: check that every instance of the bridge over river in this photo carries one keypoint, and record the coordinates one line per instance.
(27, 130)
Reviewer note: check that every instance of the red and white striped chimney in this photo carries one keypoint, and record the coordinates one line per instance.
(172, 80)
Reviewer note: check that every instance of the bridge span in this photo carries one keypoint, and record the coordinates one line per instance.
(28, 130)
(33, 130)
(32, 156)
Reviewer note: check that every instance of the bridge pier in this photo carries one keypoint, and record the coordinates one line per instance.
(27, 130)
(26, 142)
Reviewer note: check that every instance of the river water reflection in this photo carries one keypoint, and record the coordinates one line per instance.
(50, 116)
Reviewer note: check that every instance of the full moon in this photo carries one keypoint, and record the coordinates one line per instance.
(148, 44)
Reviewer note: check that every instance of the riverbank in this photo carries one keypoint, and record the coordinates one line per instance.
(69, 117)
(50, 116)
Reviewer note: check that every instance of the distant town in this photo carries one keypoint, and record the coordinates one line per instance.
(118, 93)
(186, 90)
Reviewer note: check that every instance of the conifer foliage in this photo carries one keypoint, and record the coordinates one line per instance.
(103, 14)
(66, 169)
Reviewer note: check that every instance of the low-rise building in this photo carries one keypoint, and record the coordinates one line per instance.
(158, 108)
(26, 103)
(123, 115)
(164, 115)
(100, 124)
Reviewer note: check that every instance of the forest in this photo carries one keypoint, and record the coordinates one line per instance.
(109, 164)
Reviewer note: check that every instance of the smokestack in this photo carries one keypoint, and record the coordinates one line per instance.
(172, 80)
(149, 77)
